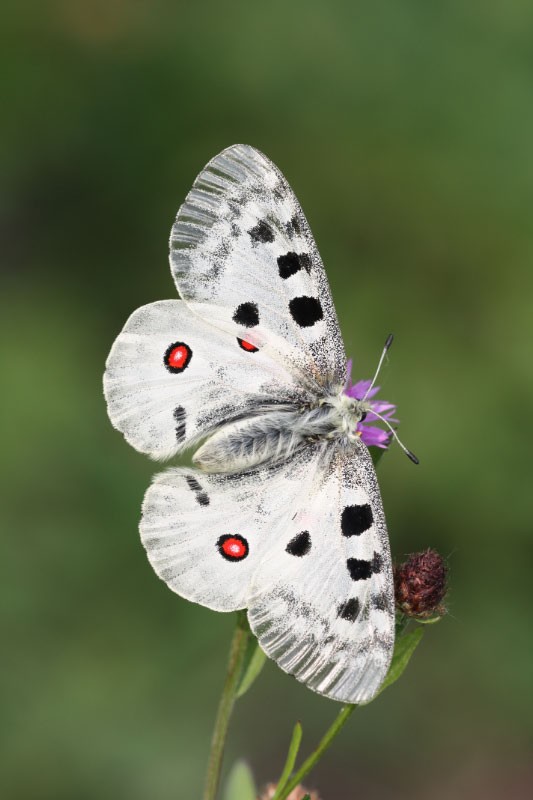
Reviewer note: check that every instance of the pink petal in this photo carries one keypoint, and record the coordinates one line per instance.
(359, 389)
(374, 392)
(380, 406)
(372, 436)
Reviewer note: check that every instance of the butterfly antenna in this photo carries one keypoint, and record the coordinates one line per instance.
(388, 343)
(407, 452)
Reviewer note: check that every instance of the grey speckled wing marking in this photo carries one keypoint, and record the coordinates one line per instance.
(243, 256)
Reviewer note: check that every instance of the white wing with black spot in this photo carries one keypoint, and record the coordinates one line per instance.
(243, 256)
(172, 378)
(322, 606)
(205, 534)
(302, 545)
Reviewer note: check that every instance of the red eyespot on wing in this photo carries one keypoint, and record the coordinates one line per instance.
(233, 548)
(248, 346)
(177, 357)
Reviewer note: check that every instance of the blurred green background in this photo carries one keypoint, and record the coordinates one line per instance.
(406, 130)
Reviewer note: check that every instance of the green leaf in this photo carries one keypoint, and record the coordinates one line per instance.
(294, 746)
(403, 650)
(306, 797)
(253, 664)
(240, 783)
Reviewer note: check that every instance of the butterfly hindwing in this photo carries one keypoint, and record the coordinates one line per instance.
(321, 601)
(243, 256)
(171, 378)
(311, 561)
(189, 517)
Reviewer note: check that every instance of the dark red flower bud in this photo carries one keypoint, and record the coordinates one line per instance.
(420, 585)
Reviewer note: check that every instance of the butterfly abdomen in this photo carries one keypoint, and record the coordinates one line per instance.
(266, 438)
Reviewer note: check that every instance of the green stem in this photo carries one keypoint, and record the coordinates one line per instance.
(402, 622)
(291, 759)
(237, 653)
(315, 756)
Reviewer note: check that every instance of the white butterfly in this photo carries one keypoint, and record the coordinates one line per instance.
(284, 516)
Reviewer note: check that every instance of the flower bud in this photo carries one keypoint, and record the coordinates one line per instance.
(297, 794)
(420, 585)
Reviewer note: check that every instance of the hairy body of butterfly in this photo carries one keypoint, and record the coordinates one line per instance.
(283, 514)
(275, 435)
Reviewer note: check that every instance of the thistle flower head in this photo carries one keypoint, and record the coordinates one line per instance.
(420, 585)
(370, 434)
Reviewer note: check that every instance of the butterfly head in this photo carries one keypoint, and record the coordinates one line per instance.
(349, 412)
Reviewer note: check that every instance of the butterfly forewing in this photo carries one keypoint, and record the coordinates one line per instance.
(243, 256)
(171, 378)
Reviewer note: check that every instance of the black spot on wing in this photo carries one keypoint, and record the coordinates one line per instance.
(299, 545)
(179, 416)
(192, 483)
(246, 314)
(290, 263)
(305, 311)
(350, 609)
(201, 497)
(360, 569)
(355, 520)
(262, 232)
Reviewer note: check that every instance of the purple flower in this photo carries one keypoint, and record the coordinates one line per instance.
(370, 434)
